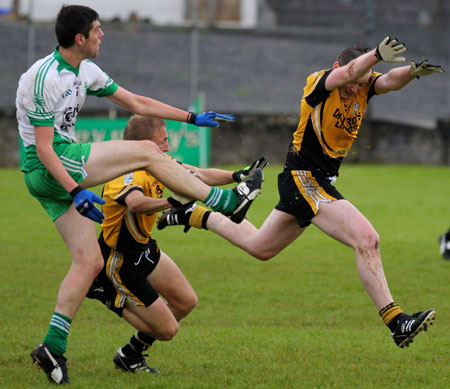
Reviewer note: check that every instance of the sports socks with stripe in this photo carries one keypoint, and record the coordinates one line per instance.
(199, 217)
(221, 200)
(389, 313)
(58, 331)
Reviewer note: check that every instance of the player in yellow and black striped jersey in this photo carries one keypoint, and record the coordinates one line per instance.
(328, 125)
(332, 107)
(136, 271)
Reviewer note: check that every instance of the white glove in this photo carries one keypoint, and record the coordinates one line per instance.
(424, 68)
(389, 50)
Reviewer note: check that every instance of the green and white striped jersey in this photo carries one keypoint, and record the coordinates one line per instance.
(51, 93)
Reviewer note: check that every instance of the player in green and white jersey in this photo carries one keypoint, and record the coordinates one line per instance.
(57, 169)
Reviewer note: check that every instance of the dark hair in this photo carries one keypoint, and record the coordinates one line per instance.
(352, 52)
(73, 20)
(142, 127)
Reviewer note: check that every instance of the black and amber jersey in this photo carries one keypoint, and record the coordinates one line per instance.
(123, 230)
(328, 126)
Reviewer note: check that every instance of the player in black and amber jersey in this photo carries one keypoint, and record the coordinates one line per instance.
(135, 270)
(332, 107)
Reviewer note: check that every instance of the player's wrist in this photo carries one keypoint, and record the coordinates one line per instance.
(75, 191)
(191, 117)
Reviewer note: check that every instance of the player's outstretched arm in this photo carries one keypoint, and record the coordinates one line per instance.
(424, 68)
(398, 78)
(146, 106)
(217, 177)
(389, 50)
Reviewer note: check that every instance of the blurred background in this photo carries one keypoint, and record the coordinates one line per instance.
(249, 58)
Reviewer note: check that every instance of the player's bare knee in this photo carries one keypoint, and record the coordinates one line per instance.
(98, 266)
(369, 241)
(262, 255)
(88, 263)
(184, 306)
(189, 304)
(150, 147)
(169, 331)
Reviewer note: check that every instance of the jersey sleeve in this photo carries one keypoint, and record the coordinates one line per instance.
(39, 97)
(127, 184)
(371, 85)
(100, 84)
(314, 91)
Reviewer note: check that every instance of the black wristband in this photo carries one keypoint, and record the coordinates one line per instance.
(75, 191)
(236, 175)
(191, 118)
(378, 55)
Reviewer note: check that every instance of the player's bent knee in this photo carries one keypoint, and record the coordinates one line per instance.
(150, 146)
(263, 255)
(92, 265)
(169, 332)
(189, 304)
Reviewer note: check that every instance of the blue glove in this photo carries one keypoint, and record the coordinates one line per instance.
(209, 119)
(84, 203)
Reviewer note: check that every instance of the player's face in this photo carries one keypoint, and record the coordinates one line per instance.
(92, 44)
(350, 90)
(161, 139)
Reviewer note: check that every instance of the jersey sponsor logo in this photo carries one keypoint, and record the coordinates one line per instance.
(350, 124)
(67, 93)
(69, 116)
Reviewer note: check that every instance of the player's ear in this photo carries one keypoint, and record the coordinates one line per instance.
(336, 65)
(79, 39)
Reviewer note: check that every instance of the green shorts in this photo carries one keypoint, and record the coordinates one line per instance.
(41, 184)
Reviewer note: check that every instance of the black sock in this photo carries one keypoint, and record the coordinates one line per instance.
(139, 342)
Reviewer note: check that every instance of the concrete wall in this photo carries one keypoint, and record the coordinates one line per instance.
(378, 141)
(255, 135)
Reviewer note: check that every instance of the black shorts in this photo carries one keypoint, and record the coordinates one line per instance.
(124, 277)
(301, 193)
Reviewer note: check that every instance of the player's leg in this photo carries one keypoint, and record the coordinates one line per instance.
(79, 235)
(158, 320)
(343, 222)
(158, 317)
(155, 321)
(277, 232)
(168, 280)
(108, 160)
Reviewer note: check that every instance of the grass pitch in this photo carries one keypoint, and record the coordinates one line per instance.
(300, 320)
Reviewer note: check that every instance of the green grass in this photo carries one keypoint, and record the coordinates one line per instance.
(301, 320)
